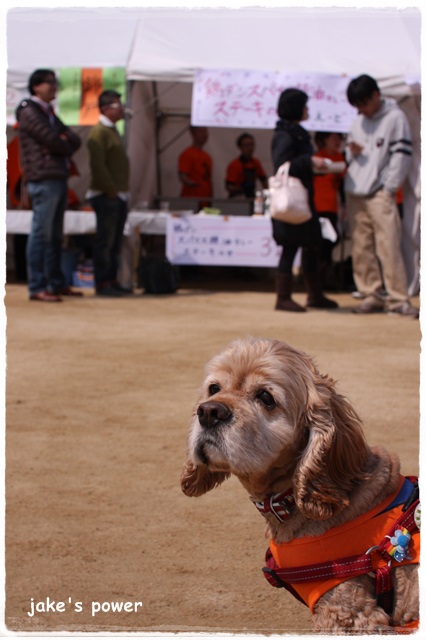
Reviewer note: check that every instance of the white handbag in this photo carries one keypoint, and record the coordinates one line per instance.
(288, 197)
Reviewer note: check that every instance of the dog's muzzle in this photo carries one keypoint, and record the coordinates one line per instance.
(213, 414)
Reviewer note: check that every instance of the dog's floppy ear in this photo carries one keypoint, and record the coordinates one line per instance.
(198, 479)
(336, 453)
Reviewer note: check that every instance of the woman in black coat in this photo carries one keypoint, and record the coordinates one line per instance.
(291, 142)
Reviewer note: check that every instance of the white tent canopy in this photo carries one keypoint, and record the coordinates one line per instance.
(170, 45)
(45, 38)
(162, 48)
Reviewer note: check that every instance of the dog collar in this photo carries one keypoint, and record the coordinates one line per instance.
(281, 505)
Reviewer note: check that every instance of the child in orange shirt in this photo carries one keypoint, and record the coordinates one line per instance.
(327, 192)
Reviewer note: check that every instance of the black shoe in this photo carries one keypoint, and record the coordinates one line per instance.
(322, 303)
(67, 291)
(109, 292)
(124, 290)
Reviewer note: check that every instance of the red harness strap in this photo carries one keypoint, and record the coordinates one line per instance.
(384, 586)
(350, 566)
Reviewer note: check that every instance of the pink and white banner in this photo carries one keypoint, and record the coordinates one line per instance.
(248, 99)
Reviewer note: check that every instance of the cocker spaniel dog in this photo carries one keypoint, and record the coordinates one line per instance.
(343, 523)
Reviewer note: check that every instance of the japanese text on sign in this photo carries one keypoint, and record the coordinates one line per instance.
(236, 98)
(221, 240)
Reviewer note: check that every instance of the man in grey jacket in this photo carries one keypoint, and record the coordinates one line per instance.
(379, 157)
(46, 146)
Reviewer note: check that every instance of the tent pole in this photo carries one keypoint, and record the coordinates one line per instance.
(158, 117)
(129, 91)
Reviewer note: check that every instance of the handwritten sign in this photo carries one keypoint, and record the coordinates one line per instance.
(248, 99)
(221, 241)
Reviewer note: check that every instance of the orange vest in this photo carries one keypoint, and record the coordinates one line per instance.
(352, 538)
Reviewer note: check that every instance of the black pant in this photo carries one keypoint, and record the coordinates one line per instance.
(309, 258)
(111, 214)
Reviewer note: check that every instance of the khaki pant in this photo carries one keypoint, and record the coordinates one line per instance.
(375, 227)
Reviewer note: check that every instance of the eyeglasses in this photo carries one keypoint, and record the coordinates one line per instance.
(114, 105)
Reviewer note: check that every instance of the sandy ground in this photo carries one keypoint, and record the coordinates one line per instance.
(99, 396)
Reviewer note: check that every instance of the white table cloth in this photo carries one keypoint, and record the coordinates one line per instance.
(84, 222)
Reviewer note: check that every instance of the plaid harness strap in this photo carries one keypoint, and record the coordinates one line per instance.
(377, 560)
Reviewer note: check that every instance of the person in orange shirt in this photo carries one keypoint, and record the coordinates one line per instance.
(195, 166)
(242, 173)
(328, 193)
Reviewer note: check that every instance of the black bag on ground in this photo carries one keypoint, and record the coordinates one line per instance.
(158, 275)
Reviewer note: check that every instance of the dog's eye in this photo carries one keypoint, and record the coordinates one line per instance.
(213, 388)
(266, 399)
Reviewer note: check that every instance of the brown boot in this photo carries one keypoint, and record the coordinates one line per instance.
(316, 298)
(284, 283)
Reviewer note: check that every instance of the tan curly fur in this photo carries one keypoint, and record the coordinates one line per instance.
(287, 426)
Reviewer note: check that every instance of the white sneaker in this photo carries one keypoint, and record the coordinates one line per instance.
(404, 309)
(369, 305)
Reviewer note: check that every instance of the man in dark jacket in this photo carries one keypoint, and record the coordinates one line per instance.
(46, 146)
(108, 192)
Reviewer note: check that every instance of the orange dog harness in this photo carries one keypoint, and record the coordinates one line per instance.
(377, 541)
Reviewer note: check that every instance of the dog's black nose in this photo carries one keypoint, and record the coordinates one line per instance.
(211, 414)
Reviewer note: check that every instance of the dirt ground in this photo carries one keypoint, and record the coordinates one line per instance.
(98, 401)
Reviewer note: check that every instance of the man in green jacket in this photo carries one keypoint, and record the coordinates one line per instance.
(108, 192)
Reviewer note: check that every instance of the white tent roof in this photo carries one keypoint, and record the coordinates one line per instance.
(170, 44)
(40, 38)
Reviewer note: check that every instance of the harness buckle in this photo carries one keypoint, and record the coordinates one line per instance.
(277, 515)
(273, 578)
(371, 549)
(372, 574)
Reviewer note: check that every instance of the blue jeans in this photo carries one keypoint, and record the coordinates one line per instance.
(44, 246)
(111, 214)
